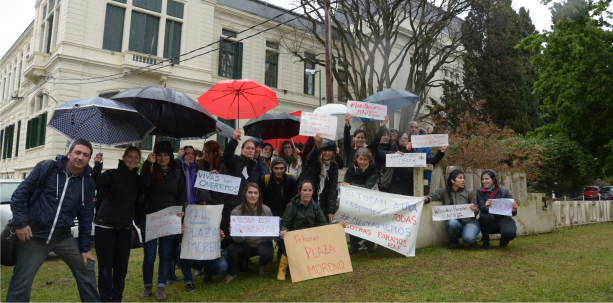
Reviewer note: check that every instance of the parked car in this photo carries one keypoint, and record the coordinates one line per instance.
(606, 193)
(591, 192)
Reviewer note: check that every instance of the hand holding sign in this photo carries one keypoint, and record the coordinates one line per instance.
(501, 207)
(163, 223)
(406, 160)
(367, 110)
(252, 226)
(217, 182)
(311, 124)
(430, 140)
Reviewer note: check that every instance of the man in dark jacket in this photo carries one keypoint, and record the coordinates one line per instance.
(43, 225)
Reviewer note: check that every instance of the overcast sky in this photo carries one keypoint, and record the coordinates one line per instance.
(16, 16)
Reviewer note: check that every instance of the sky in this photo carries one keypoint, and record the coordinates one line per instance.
(15, 16)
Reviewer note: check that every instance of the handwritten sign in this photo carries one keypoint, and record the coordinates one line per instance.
(448, 212)
(389, 220)
(367, 110)
(217, 182)
(502, 207)
(311, 124)
(406, 160)
(163, 223)
(201, 239)
(254, 226)
(430, 140)
(317, 252)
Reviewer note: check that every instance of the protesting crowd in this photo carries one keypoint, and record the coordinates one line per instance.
(299, 183)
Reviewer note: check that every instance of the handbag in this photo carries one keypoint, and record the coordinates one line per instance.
(8, 238)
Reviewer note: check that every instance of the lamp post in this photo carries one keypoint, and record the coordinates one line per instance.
(313, 72)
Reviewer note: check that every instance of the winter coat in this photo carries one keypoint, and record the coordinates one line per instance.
(251, 241)
(347, 148)
(402, 180)
(236, 165)
(205, 166)
(261, 167)
(461, 196)
(483, 196)
(119, 191)
(312, 172)
(277, 196)
(305, 215)
(171, 191)
(74, 197)
(366, 179)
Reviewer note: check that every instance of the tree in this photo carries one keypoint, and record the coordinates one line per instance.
(575, 74)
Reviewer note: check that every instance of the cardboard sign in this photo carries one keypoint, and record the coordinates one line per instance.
(201, 239)
(317, 252)
(367, 110)
(448, 212)
(502, 207)
(163, 223)
(406, 160)
(311, 124)
(430, 140)
(218, 182)
(251, 226)
(389, 220)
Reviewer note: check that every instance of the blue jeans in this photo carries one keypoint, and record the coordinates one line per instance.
(30, 257)
(211, 267)
(149, 248)
(468, 232)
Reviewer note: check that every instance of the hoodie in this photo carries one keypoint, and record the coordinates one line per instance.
(277, 196)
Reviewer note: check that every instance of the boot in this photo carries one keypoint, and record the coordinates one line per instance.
(370, 246)
(453, 245)
(354, 249)
(282, 267)
(146, 292)
(263, 270)
(160, 294)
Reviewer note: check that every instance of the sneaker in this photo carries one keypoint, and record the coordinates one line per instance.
(353, 250)
(486, 245)
(197, 272)
(503, 245)
(160, 294)
(263, 270)
(208, 279)
(362, 246)
(146, 292)
(228, 278)
(453, 245)
(189, 287)
(473, 246)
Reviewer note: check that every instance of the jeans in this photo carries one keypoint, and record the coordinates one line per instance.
(353, 240)
(494, 224)
(468, 232)
(212, 267)
(244, 251)
(30, 257)
(113, 253)
(149, 248)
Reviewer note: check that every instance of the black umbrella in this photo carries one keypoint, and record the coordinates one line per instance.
(175, 115)
(273, 126)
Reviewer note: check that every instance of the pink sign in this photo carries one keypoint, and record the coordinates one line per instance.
(430, 140)
(311, 124)
(367, 110)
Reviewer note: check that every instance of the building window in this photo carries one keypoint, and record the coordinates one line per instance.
(121, 1)
(228, 33)
(342, 97)
(272, 68)
(35, 134)
(172, 41)
(309, 80)
(230, 59)
(174, 9)
(272, 45)
(19, 75)
(1, 142)
(7, 147)
(3, 87)
(113, 28)
(49, 33)
(152, 5)
(144, 33)
(223, 141)
(39, 103)
(176, 144)
(17, 141)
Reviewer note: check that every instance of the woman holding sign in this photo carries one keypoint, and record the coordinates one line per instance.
(494, 223)
(291, 155)
(455, 193)
(248, 247)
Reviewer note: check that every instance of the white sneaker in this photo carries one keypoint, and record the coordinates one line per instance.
(197, 272)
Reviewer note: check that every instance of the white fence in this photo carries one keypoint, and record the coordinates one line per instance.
(581, 212)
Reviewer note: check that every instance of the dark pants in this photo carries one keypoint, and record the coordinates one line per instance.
(149, 248)
(497, 224)
(211, 267)
(225, 226)
(353, 240)
(30, 257)
(244, 251)
(113, 252)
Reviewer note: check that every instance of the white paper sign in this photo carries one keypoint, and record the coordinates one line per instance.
(367, 110)
(448, 212)
(430, 140)
(251, 226)
(311, 124)
(389, 220)
(406, 160)
(201, 239)
(502, 207)
(163, 223)
(217, 182)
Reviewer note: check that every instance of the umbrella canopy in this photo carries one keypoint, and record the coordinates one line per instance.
(273, 126)
(100, 121)
(339, 110)
(222, 129)
(175, 115)
(394, 99)
(239, 99)
(276, 143)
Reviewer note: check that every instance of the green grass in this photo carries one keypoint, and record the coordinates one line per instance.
(574, 264)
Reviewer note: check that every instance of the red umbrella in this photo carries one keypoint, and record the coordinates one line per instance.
(277, 142)
(238, 99)
(297, 113)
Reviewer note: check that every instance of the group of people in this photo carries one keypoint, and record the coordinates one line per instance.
(299, 184)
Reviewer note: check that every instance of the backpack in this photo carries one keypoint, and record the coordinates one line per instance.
(267, 179)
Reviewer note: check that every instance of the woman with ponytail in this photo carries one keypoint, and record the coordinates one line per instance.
(455, 193)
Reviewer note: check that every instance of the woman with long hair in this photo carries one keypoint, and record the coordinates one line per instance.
(490, 223)
(267, 154)
(211, 158)
(248, 247)
(292, 157)
(456, 193)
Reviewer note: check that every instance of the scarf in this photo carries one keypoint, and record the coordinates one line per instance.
(290, 160)
(190, 180)
(491, 191)
(323, 175)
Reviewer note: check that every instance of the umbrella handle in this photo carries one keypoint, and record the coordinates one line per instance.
(157, 131)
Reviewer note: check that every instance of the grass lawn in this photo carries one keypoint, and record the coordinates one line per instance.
(574, 264)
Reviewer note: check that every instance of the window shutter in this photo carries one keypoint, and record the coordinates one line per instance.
(151, 34)
(137, 32)
(1, 143)
(172, 41)
(19, 75)
(218, 59)
(42, 127)
(238, 61)
(113, 28)
(28, 134)
(10, 135)
(17, 142)
(50, 27)
(34, 133)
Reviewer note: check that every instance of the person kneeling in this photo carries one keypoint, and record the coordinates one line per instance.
(455, 193)
(490, 223)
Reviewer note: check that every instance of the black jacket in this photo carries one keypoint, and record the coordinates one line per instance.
(349, 151)
(483, 196)
(235, 165)
(277, 196)
(171, 191)
(119, 191)
(312, 171)
(367, 179)
(402, 180)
